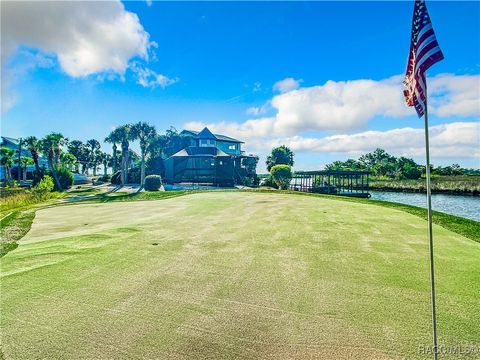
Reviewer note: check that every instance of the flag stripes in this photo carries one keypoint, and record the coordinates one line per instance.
(424, 52)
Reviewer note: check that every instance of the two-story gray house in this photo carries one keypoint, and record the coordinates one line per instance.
(210, 159)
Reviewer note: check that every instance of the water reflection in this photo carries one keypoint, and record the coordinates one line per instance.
(464, 206)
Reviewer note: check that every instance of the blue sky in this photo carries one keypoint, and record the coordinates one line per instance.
(217, 64)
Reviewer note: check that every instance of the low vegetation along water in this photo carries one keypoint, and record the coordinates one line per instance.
(464, 206)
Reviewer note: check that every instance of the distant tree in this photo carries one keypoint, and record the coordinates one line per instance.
(113, 139)
(376, 157)
(6, 160)
(349, 164)
(471, 171)
(457, 170)
(79, 150)
(170, 143)
(250, 164)
(52, 145)
(162, 147)
(408, 169)
(69, 160)
(453, 170)
(280, 155)
(146, 134)
(93, 148)
(33, 145)
(24, 162)
(123, 135)
(106, 160)
(380, 163)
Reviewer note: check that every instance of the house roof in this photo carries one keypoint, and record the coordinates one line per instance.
(200, 151)
(6, 140)
(220, 137)
(205, 134)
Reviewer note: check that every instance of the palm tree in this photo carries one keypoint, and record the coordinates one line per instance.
(93, 147)
(24, 162)
(146, 134)
(280, 155)
(52, 147)
(78, 149)
(6, 160)
(33, 145)
(106, 160)
(114, 140)
(69, 160)
(123, 135)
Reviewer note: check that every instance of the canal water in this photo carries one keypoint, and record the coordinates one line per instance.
(464, 206)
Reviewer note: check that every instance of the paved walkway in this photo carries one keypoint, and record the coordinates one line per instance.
(105, 189)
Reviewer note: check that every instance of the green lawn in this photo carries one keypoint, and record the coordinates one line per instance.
(229, 275)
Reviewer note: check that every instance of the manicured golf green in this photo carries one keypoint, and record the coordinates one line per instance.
(231, 275)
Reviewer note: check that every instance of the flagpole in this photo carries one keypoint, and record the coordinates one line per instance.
(430, 233)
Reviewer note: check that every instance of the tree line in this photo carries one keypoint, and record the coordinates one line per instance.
(65, 156)
(382, 164)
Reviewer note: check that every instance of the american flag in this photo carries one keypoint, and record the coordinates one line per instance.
(424, 52)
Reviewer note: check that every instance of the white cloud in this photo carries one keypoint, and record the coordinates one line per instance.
(250, 130)
(455, 95)
(459, 139)
(342, 106)
(453, 140)
(259, 110)
(86, 37)
(148, 78)
(338, 105)
(287, 84)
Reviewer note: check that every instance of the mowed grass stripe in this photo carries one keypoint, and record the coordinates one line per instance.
(234, 275)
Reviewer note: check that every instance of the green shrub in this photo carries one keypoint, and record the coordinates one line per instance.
(282, 175)
(153, 182)
(411, 172)
(134, 176)
(38, 175)
(250, 181)
(44, 187)
(65, 177)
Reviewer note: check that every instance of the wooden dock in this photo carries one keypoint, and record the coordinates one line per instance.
(335, 182)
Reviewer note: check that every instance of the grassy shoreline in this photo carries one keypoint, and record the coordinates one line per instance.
(454, 185)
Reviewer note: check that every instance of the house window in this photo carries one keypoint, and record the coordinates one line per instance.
(232, 147)
(207, 142)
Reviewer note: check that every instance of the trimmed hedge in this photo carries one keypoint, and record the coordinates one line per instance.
(153, 182)
(282, 175)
